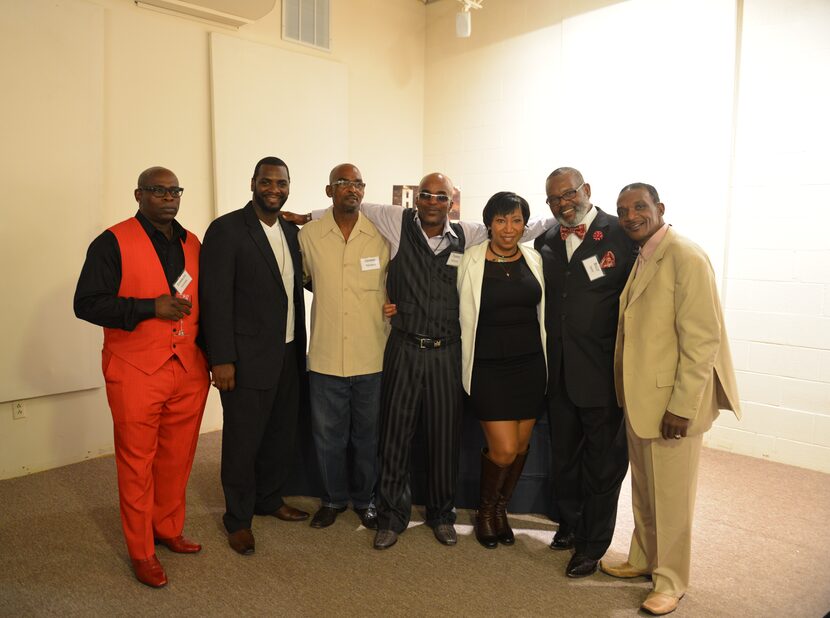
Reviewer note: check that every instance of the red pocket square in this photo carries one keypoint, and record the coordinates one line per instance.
(608, 260)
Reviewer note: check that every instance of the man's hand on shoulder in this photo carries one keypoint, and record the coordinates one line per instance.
(223, 376)
(294, 218)
(172, 308)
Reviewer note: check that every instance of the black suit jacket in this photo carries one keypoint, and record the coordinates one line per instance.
(580, 314)
(243, 302)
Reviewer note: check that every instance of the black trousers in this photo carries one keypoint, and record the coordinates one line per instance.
(589, 460)
(258, 445)
(419, 385)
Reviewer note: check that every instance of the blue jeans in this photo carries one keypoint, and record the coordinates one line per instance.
(344, 420)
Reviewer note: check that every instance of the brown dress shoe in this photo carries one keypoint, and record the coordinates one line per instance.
(384, 539)
(623, 570)
(289, 513)
(659, 604)
(242, 541)
(150, 572)
(180, 545)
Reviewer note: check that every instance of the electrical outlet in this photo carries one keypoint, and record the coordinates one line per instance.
(18, 410)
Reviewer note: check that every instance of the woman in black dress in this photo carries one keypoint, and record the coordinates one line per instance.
(501, 304)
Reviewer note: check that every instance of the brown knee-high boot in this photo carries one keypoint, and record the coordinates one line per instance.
(504, 533)
(492, 479)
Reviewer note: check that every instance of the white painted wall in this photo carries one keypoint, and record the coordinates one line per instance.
(157, 110)
(645, 90)
(778, 279)
(539, 84)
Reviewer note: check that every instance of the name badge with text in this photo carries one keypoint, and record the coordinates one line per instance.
(370, 263)
(593, 268)
(182, 282)
(454, 259)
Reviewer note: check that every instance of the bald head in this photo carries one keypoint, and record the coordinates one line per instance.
(436, 178)
(342, 170)
(145, 177)
(433, 202)
(345, 189)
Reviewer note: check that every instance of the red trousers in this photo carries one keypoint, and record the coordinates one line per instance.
(156, 420)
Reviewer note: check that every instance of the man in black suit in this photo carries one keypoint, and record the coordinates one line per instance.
(253, 319)
(586, 261)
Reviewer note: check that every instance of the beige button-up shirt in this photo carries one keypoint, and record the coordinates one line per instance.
(348, 331)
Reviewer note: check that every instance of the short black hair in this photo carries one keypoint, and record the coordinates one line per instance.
(642, 185)
(503, 203)
(567, 170)
(271, 161)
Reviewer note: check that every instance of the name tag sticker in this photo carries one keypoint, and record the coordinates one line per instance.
(370, 263)
(454, 259)
(593, 268)
(182, 282)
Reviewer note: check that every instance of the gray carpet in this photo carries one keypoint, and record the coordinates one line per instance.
(761, 538)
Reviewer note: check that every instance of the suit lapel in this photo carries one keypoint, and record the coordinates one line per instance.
(558, 245)
(260, 240)
(646, 274)
(290, 234)
(476, 274)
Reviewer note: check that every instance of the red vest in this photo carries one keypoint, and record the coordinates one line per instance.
(154, 340)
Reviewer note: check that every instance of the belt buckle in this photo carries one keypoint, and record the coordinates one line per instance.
(422, 342)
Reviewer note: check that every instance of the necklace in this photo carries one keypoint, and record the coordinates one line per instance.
(500, 257)
(503, 260)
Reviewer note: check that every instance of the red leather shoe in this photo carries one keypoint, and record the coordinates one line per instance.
(150, 572)
(180, 545)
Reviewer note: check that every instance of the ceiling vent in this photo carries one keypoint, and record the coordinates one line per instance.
(233, 13)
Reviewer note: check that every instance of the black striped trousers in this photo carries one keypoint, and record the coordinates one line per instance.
(419, 383)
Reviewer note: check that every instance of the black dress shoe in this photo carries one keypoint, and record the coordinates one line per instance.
(242, 541)
(384, 539)
(581, 566)
(325, 516)
(445, 534)
(368, 517)
(562, 540)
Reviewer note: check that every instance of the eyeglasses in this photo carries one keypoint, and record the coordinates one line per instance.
(427, 196)
(159, 191)
(567, 195)
(349, 184)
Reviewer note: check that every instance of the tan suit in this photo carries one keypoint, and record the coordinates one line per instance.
(671, 354)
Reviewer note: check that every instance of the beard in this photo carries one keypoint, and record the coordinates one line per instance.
(265, 206)
(580, 210)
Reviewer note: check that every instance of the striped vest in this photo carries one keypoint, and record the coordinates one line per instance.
(421, 284)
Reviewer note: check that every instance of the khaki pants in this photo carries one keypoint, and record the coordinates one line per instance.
(663, 489)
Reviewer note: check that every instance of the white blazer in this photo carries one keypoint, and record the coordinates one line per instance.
(470, 277)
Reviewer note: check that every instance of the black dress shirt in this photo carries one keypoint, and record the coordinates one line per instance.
(96, 297)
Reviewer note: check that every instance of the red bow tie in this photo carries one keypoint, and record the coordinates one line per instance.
(579, 230)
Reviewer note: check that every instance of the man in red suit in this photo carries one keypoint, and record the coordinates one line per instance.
(139, 282)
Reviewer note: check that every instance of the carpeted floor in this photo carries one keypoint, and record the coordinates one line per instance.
(761, 538)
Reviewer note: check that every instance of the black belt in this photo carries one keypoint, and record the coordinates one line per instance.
(427, 343)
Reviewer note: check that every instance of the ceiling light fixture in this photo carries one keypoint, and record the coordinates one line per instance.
(463, 19)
